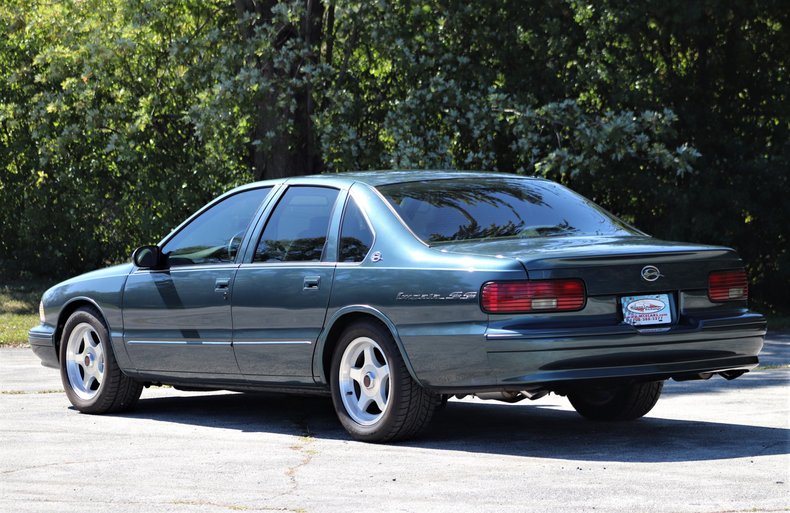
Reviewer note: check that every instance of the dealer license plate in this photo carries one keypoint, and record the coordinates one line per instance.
(647, 310)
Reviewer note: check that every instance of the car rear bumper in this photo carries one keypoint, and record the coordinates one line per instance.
(681, 352)
(42, 341)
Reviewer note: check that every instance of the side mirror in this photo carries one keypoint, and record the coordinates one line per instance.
(147, 257)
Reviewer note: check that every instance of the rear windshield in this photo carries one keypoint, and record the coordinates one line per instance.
(494, 208)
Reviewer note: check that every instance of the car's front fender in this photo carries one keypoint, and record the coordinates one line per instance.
(102, 290)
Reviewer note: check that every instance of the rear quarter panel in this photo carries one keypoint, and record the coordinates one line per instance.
(430, 297)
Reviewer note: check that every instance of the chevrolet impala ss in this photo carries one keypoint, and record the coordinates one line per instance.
(392, 291)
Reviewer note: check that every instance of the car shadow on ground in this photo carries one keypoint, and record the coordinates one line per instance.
(716, 384)
(531, 430)
(547, 432)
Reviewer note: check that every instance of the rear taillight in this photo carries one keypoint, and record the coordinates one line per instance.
(500, 297)
(728, 286)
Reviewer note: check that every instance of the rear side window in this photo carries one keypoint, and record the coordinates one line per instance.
(497, 208)
(356, 237)
(215, 235)
(297, 229)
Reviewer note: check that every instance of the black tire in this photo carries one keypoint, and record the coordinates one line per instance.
(114, 392)
(409, 407)
(619, 402)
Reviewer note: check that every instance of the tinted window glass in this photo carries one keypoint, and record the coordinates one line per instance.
(355, 235)
(214, 237)
(477, 209)
(297, 229)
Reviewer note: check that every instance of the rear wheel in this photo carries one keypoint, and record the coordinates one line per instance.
(374, 395)
(616, 402)
(91, 378)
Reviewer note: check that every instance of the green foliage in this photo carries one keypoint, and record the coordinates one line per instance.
(99, 151)
(119, 117)
(672, 114)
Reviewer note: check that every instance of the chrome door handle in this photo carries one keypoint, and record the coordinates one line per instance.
(311, 282)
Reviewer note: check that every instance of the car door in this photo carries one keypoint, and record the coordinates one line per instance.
(177, 320)
(281, 295)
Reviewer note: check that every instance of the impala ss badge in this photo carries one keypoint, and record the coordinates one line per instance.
(402, 296)
(651, 273)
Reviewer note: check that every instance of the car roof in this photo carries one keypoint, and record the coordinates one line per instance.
(383, 177)
(376, 178)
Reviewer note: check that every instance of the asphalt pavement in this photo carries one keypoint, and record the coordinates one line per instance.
(711, 446)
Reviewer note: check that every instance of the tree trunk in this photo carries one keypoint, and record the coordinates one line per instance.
(293, 149)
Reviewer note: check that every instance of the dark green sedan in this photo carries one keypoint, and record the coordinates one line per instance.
(392, 291)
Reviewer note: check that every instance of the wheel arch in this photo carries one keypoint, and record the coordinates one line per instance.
(67, 310)
(333, 329)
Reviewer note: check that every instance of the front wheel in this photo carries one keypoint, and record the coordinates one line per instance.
(91, 378)
(374, 395)
(616, 402)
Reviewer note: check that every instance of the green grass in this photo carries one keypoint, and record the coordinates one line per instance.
(14, 327)
(19, 297)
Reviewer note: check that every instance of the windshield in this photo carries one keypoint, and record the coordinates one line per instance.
(493, 208)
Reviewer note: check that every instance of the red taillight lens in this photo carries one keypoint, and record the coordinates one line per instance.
(728, 285)
(532, 296)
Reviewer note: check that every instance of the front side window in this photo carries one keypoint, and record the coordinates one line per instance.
(297, 229)
(440, 211)
(214, 236)
(355, 235)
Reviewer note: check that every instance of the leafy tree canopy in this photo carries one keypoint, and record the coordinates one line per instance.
(120, 117)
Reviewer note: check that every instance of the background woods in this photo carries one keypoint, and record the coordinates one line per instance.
(120, 117)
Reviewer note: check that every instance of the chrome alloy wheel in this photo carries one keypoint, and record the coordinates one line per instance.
(85, 361)
(364, 381)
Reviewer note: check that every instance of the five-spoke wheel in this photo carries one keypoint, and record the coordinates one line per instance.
(374, 395)
(93, 381)
(85, 361)
(364, 381)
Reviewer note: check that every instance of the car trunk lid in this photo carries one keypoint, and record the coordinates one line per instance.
(610, 265)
